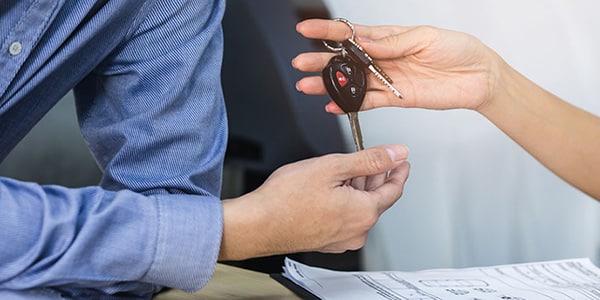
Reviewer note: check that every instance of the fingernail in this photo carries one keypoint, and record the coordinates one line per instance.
(397, 152)
(298, 87)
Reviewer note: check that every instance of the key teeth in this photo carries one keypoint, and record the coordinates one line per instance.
(382, 73)
(388, 85)
(373, 67)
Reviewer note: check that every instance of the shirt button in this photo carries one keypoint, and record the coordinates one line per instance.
(15, 48)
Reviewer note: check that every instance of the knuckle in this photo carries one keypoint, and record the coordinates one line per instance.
(376, 160)
(358, 243)
(371, 220)
(428, 30)
(332, 162)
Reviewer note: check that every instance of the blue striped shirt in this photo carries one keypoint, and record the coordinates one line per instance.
(146, 78)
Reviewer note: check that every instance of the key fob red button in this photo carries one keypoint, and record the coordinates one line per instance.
(341, 78)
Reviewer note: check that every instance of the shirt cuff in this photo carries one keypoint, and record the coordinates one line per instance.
(189, 238)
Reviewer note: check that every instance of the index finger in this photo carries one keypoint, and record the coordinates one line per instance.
(326, 29)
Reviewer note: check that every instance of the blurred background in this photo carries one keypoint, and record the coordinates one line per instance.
(474, 197)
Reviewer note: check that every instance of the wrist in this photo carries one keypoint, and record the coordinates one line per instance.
(515, 102)
(246, 231)
(234, 245)
(506, 87)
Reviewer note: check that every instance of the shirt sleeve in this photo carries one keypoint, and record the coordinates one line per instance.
(152, 114)
(113, 242)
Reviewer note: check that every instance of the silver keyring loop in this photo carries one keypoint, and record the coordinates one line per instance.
(339, 48)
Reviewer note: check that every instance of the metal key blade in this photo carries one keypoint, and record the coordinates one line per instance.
(361, 57)
(374, 69)
(356, 132)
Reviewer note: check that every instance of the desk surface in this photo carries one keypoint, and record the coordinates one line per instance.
(235, 283)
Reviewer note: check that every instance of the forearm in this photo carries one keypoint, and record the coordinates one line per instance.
(561, 136)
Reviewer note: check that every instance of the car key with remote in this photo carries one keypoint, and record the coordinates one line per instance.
(350, 48)
(346, 84)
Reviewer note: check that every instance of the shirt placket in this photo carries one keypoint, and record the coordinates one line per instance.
(22, 39)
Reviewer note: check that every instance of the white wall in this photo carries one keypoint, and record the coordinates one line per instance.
(474, 197)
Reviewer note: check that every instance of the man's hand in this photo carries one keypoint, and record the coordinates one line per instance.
(312, 205)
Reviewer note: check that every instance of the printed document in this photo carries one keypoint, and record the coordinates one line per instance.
(561, 279)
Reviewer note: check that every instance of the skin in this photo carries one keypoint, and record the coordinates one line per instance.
(440, 69)
(314, 205)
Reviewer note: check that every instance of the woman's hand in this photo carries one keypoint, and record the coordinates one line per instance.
(433, 68)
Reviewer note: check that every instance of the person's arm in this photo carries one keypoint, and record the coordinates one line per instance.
(153, 115)
(442, 69)
(564, 138)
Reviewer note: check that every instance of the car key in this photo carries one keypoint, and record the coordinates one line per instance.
(346, 84)
(359, 56)
(350, 48)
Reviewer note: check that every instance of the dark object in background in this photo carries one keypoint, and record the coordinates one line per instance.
(270, 123)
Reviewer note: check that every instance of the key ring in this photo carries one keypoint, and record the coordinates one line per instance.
(339, 47)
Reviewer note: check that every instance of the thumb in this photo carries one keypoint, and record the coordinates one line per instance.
(373, 161)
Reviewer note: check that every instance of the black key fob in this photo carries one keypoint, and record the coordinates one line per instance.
(346, 83)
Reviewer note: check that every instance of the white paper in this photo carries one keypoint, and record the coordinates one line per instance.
(561, 279)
